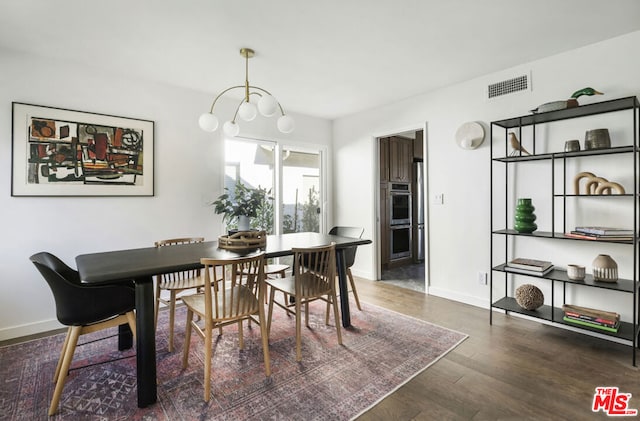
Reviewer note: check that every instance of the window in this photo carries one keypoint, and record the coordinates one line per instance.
(298, 193)
(251, 163)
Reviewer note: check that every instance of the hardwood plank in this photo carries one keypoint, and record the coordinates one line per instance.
(513, 369)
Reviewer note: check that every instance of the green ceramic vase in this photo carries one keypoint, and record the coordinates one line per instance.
(524, 217)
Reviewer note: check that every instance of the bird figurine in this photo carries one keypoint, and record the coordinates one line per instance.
(518, 149)
(567, 103)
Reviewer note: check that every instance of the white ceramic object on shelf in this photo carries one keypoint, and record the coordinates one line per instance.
(575, 272)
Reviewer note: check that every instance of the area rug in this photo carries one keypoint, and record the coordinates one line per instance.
(380, 352)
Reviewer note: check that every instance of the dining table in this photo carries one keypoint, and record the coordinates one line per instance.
(140, 265)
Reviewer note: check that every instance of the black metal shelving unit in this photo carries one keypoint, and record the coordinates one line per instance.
(629, 331)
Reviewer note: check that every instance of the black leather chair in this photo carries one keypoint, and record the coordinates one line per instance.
(83, 308)
(350, 254)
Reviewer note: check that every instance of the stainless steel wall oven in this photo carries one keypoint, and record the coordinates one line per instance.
(400, 220)
(400, 204)
(400, 241)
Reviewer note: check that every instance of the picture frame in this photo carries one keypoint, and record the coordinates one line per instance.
(63, 152)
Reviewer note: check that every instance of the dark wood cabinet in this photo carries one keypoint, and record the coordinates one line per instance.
(384, 160)
(396, 166)
(400, 159)
(384, 224)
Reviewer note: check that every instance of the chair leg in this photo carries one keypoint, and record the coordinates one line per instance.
(131, 319)
(172, 316)
(265, 341)
(158, 290)
(298, 331)
(336, 316)
(287, 301)
(73, 333)
(187, 340)
(353, 288)
(272, 296)
(62, 354)
(241, 335)
(208, 354)
(326, 313)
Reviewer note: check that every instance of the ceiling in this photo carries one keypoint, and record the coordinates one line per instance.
(326, 58)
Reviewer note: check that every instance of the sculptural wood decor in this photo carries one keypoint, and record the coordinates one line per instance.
(596, 185)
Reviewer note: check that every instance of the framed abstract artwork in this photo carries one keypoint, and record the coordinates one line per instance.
(60, 152)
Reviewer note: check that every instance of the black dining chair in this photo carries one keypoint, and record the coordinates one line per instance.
(349, 254)
(84, 309)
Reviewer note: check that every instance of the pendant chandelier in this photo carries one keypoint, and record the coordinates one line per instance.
(267, 105)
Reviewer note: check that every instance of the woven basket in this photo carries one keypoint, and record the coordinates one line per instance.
(243, 241)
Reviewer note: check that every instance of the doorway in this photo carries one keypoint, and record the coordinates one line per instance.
(402, 233)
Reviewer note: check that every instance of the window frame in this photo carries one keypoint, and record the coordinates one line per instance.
(277, 175)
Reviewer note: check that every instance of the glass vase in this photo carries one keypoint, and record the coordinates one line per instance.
(524, 217)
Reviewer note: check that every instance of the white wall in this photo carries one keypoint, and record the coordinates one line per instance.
(459, 229)
(188, 170)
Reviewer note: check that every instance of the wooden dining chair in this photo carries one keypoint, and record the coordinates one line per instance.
(234, 291)
(313, 279)
(349, 254)
(84, 309)
(274, 270)
(175, 283)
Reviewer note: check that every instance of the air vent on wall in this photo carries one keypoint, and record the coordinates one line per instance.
(509, 86)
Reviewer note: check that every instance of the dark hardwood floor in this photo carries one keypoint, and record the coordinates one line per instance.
(515, 369)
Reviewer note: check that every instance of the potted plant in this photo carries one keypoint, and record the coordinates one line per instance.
(242, 205)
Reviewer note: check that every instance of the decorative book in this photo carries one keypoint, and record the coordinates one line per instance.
(528, 272)
(530, 264)
(590, 324)
(586, 236)
(605, 231)
(591, 312)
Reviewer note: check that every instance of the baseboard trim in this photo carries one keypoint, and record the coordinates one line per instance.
(15, 332)
(451, 295)
(370, 276)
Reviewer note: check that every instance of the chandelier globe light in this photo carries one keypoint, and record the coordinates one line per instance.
(267, 105)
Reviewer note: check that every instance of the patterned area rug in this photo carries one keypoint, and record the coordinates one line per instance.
(382, 351)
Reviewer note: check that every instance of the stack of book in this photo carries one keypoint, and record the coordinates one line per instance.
(597, 319)
(602, 233)
(529, 266)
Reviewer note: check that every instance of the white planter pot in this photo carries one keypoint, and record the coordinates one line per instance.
(244, 223)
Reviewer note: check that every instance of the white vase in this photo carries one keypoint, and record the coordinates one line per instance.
(244, 223)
